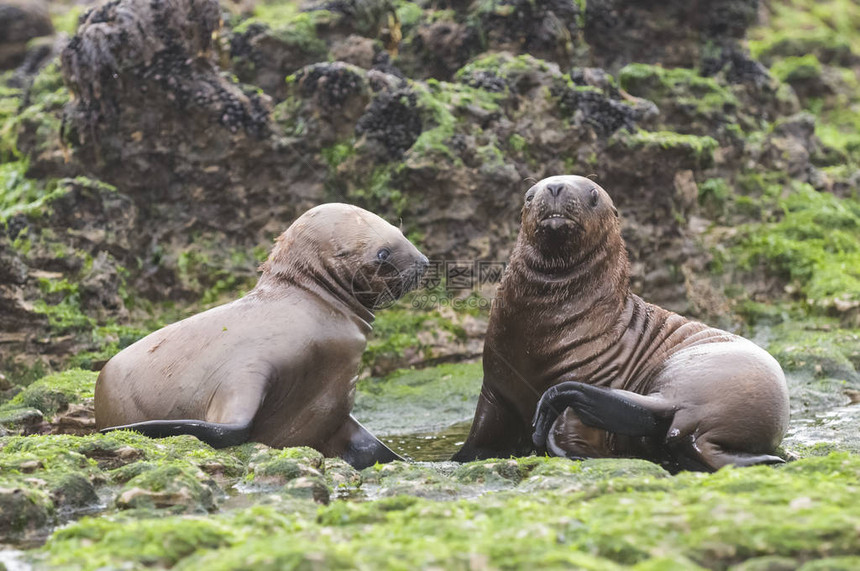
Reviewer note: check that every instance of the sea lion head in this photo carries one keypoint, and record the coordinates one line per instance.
(567, 217)
(350, 251)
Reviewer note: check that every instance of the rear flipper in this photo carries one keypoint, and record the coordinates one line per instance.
(357, 446)
(212, 433)
(687, 453)
(612, 410)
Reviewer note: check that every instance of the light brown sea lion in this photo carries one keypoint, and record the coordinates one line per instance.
(278, 366)
(602, 372)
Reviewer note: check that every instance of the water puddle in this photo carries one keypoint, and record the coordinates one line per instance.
(13, 560)
(430, 446)
(839, 426)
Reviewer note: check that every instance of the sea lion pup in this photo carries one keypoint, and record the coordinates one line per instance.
(278, 366)
(615, 376)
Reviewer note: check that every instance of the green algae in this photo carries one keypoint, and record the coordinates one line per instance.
(431, 398)
(277, 467)
(441, 105)
(394, 332)
(17, 190)
(815, 245)
(148, 542)
(408, 13)
(697, 150)
(827, 29)
(798, 512)
(657, 83)
(290, 26)
(795, 69)
(175, 487)
(688, 101)
(492, 473)
(66, 20)
(55, 392)
(66, 314)
(815, 44)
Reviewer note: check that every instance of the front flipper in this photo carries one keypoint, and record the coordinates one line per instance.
(357, 446)
(613, 410)
(214, 434)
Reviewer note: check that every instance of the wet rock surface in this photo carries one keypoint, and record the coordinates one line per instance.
(20, 22)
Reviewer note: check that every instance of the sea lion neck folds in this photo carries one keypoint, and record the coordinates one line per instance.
(602, 372)
(278, 366)
(360, 260)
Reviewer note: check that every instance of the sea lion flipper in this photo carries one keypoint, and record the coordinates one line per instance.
(613, 410)
(357, 446)
(214, 434)
(496, 431)
(702, 455)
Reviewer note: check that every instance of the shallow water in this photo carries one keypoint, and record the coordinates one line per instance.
(839, 427)
(13, 560)
(430, 446)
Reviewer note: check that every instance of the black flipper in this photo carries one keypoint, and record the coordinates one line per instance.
(357, 446)
(703, 456)
(613, 410)
(212, 433)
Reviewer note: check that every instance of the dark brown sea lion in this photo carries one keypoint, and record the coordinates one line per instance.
(602, 372)
(278, 366)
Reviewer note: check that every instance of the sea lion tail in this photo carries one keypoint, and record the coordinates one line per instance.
(613, 410)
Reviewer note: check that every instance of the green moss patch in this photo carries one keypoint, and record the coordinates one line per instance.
(695, 151)
(825, 29)
(55, 392)
(395, 330)
(798, 512)
(815, 246)
(429, 398)
(178, 488)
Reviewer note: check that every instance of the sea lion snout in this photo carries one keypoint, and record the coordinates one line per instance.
(562, 212)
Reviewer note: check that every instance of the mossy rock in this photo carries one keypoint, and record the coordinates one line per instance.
(277, 467)
(175, 487)
(343, 479)
(349, 513)
(307, 488)
(802, 511)
(55, 392)
(814, 244)
(94, 543)
(688, 151)
(688, 102)
(23, 510)
(490, 473)
(74, 491)
(19, 418)
(262, 554)
(401, 478)
(596, 476)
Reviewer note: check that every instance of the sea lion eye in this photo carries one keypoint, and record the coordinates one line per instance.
(593, 197)
(530, 196)
(383, 254)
